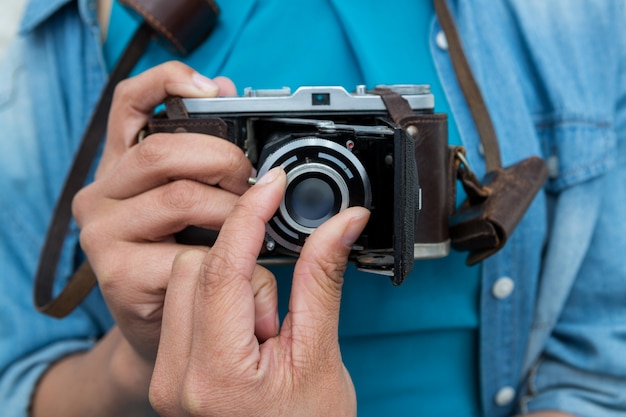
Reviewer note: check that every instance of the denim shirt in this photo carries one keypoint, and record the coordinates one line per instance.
(553, 325)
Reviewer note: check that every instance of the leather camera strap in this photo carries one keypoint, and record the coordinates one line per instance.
(182, 25)
(469, 87)
(495, 205)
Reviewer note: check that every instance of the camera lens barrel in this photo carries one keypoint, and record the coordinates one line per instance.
(323, 178)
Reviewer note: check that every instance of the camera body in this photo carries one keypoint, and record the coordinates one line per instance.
(338, 150)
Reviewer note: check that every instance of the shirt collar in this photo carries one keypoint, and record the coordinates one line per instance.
(38, 11)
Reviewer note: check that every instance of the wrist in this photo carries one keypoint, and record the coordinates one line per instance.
(110, 379)
(130, 372)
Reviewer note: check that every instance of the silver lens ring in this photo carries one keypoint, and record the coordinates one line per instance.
(334, 165)
(306, 224)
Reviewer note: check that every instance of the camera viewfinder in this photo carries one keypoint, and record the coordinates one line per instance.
(320, 99)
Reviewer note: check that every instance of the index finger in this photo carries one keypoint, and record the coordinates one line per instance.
(226, 297)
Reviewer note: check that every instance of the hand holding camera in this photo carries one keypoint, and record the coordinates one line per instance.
(144, 193)
(210, 363)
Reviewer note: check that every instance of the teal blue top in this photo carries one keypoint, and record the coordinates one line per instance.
(420, 339)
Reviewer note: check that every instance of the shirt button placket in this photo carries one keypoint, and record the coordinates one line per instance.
(502, 289)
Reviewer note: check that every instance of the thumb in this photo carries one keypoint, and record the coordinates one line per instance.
(135, 99)
(318, 276)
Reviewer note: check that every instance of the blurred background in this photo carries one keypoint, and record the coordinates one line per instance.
(10, 13)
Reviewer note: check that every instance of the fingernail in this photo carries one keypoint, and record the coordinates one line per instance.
(355, 227)
(204, 83)
(269, 176)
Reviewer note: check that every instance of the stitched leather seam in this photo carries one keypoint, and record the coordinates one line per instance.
(216, 125)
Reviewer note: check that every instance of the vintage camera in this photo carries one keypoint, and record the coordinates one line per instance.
(339, 150)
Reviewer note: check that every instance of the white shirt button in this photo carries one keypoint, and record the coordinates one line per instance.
(553, 166)
(504, 396)
(441, 40)
(503, 287)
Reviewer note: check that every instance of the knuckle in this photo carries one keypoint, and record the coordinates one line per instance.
(89, 236)
(96, 233)
(190, 256)
(233, 164)
(152, 151)
(201, 396)
(80, 205)
(195, 386)
(222, 270)
(263, 281)
(172, 67)
(334, 269)
(330, 277)
(193, 404)
(234, 158)
(161, 394)
(327, 264)
(181, 195)
(222, 261)
(123, 91)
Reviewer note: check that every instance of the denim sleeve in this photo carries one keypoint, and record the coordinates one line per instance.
(29, 341)
(583, 367)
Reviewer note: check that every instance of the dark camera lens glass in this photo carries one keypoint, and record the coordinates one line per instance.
(312, 202)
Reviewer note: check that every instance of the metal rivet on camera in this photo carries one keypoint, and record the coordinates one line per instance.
(413, 130)
(389, 160)
(270, 245)
(141, 135)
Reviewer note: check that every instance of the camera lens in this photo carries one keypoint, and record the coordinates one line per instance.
(315, 192)
(323, 178)
(312, 201)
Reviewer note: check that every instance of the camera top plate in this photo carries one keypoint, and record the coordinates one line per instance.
(309, 99)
